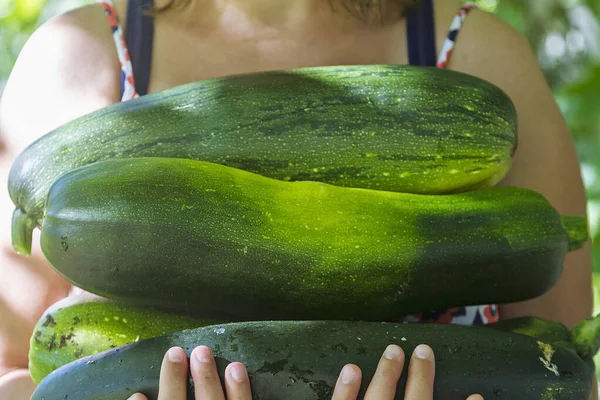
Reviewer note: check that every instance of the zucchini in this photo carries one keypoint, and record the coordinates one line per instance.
(387, 127)
(301, 360)
(583, 339)
(237, 245)
(547, 331)
(82, 325)
(586, 337)
(542, 329)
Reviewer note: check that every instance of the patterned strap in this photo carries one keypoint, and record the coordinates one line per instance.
(469, 315)
(127, 79)
(455, 28)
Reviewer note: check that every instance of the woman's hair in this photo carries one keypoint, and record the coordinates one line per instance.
(367, 10)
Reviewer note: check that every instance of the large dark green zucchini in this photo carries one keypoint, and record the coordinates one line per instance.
(83, 325)
(233, 244)
(302, 360)
(388, 127)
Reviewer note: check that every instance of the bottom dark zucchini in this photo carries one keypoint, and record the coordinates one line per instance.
(302, 360)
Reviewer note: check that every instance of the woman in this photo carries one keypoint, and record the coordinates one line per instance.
(79, 62)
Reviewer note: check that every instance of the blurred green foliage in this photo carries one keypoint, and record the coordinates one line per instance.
(565, 34)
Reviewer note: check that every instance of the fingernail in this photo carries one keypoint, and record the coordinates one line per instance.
(202, 354)
(239, 373)
(392, 352)
(348, 375)
(175, 355)
(423, 352)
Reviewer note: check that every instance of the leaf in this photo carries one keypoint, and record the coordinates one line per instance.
(579, 103)
(596, 257)
(513, 12)
(28, 11)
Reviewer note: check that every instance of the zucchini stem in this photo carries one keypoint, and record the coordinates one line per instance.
(586, 337)
(577, 230)
(22, 232)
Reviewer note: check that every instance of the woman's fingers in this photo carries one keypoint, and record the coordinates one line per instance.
(138, 396)
(207, 385)
(173, 375)
(421, 373)
(348, 383)
(384, 382)
(237, 383)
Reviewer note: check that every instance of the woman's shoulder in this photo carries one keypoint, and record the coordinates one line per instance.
(486, 45)
(77, 46)
(492, 49)
(67, 68)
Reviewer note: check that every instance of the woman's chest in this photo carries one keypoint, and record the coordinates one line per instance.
(179, 59)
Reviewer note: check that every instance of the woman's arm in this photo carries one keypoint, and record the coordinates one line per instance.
(545, 160)
(67, 68)
(16, 384)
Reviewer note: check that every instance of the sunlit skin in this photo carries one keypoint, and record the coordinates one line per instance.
(81, 74)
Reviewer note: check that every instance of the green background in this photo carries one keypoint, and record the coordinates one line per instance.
(565, 35)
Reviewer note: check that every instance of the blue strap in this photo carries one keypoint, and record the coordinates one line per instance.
(139, 35)
(420, 33)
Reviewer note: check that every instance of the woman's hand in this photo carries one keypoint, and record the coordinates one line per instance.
(207, 385)
(419, 384)
(16, 385)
